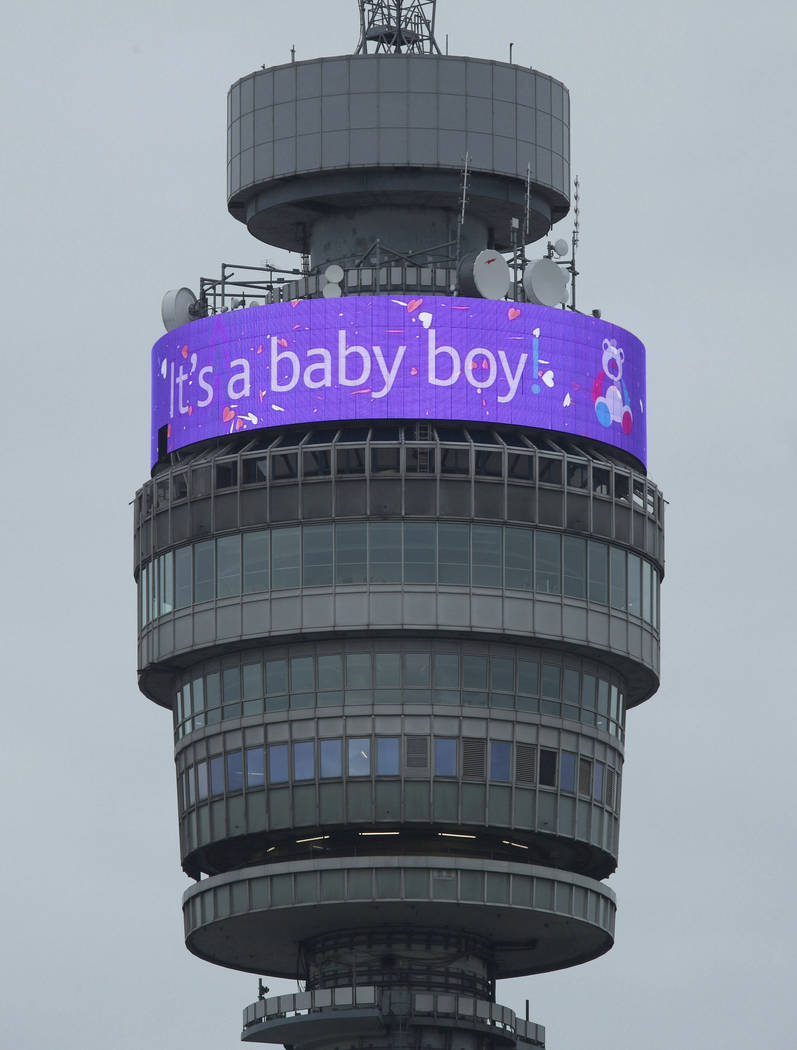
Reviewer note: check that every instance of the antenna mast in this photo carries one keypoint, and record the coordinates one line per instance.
(398, 26)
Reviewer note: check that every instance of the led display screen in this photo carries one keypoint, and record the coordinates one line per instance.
(378, 357)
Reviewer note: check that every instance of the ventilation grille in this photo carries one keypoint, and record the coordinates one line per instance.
(525, 763)
(417, 752)
(473, 758)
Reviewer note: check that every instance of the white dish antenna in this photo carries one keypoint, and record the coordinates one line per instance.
(333, 275)
(545, 283)
(484, 275)
(561, 247)
(176, 308)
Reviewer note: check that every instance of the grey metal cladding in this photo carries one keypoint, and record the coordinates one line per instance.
(474, 99)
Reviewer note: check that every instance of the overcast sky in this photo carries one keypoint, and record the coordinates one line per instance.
(113, 190)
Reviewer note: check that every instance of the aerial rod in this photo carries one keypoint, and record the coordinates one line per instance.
(398, 26)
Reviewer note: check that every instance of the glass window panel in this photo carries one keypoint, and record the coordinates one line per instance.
(330, 672)
(285, 559)
(255, 767)
(217, 775)
(304, 760)
(255, 471)
(603, 704)
(502, 674)
(387, 756)
(634, 585)
(567, 772)
(235, 771)
(227, 474)
(351, 552)
(486, 555)
(420, 556)
(191, 787)
(488, 464)
(647, 592)
(474, 672)
(331, 758)
(445, 756)
(597, 782)
(547, 563)
(613, 712)
(317, 463)
(520, 465)
(598, 573)
(278, 764)
(617, 578)
(204, 570)
(601, 481)
(575, 566)
(384, 552)
(387, 670)
(142, 593)
(416, 670)
(351, 460)
(446, 670)
(198, 694)
(253, 680)
(231, 684)
(167, 583)
(302, 679)
(454, 460)
(385, 460)
(213, 689)
(420, 460)
(499, 759)
(572, 680)
(528, 677)
(453, 540)
(316, 555)
(202, 781)
(518, 559)
(284, 465)
(358, 670)
(588, 692)
(577, 475)
(228, 566)
(276, 677)
(550, 471)
(547, 775)
(255, 557)
(359, 757)
(551, 681)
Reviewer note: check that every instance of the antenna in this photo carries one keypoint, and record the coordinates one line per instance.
(463, 205)
(574, 242)
(398, 26)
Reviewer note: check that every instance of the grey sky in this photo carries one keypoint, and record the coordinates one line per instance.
(112, 175)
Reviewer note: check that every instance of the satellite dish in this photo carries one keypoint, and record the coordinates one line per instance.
(545, 283)
(334, 273)
(332, 291)
(561, 248)
(176, 308)
(484, 275)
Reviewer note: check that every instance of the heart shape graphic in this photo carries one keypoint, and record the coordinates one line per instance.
(227, 414)
(184, 351)
(548, 378)
(514, 313)
(413, 305)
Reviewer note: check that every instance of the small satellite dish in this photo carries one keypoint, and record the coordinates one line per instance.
(332, 291)
(484, 275)
(176, 308)
(545, 283)
(561, 247)
(334, 273)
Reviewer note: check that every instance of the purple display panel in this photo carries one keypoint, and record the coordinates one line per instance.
(376, 357)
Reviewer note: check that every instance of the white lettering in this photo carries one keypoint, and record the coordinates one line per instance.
(205, 386)
(181, 378)
(472, 367)
(389, 375)
(171, 390)
(512, 380)
(344, 352)
(434, 350)
(243, 378)
(276, 358)
(324, 367)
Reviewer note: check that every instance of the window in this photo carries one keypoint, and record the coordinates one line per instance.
(453, 554)
(550, 471)
(575, 567)
(486, 556)
(445, 756)
(331, 759)
(647, 592)
(316, 463)
(359, 757)
(217, 775)
(182, 577)
(547, 776)
(597, 782)
(276, 677)
(351, 460)
(304, 760)
(317, 555)
(204, 571)
(235, 772)
(385, 460)
(521, 465)
(255, 767)
(285, 555)
(454, 460)
(617, 578)
(585, 776)
(598, 573)
(384, 555)
(547, 563)
(488, 464)
(634, 585)
(228, 566)
(351, 552)
(387, 670)
(446, 671)
(166, 583)
(567, 772)
(255, 558)
(302, 674)
(518, 559)
(202, 781)
(358, 670)
(417, 668)
(227, 474)
(499, 759)
(283, 465)
(420, 555)
(330, 672)
(231, 684)
(387, 756)
(255, 471)
(278, 764)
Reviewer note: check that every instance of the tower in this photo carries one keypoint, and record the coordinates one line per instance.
(399, 558)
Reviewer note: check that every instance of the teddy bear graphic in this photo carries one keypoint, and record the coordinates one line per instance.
(611, 400)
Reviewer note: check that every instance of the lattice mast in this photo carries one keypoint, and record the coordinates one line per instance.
(397, 26)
